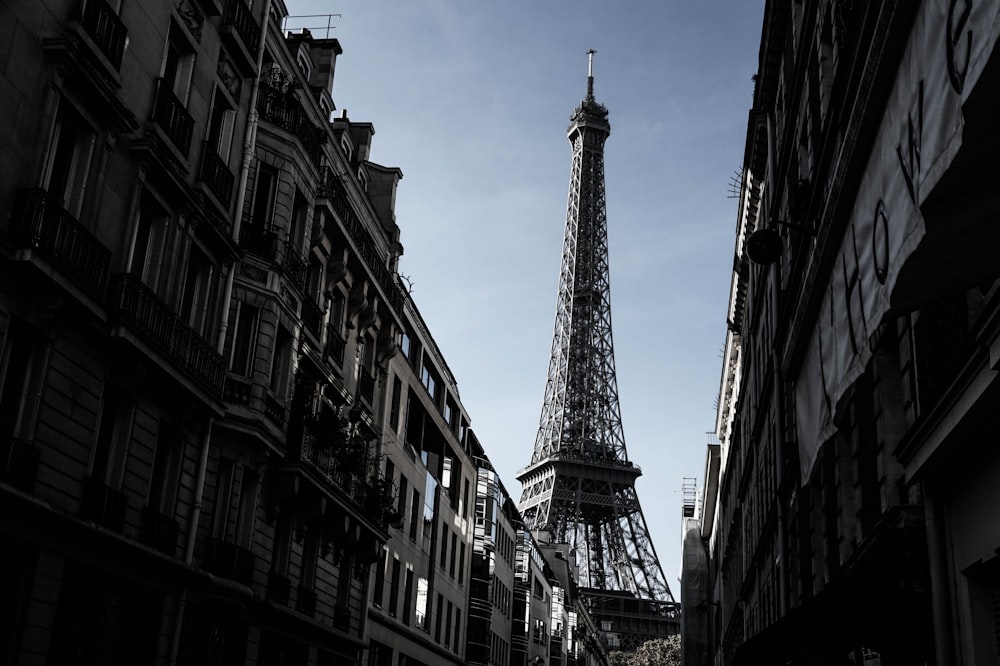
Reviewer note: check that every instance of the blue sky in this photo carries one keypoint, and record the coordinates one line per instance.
(471, 100)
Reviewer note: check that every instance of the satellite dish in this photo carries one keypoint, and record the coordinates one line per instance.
(764, 246)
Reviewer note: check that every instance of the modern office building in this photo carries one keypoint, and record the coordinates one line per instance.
(851, 518)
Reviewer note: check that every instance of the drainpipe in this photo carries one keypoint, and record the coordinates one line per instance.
(227, 298)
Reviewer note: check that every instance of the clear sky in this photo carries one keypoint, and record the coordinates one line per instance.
(471, 100)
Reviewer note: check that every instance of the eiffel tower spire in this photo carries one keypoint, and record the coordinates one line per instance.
(580, 485)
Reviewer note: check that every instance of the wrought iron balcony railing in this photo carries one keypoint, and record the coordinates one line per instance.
(170, 114)
(239, 16)
(312, 317)
(261, 241)
(18, 464)
(105, 28)
(103, 504)
(277, 104)
(294, 265)
(136, 306)
(39, 222)
(228, 560)
(371, 499)
(216, 174)
(333, 190)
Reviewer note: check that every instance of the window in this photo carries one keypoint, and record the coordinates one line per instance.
(447, 625)
(429, 378)
(197, 302)
(246, 517)
(454, 552)
(178, 64)
(303, 60)
(407, 595)
(72, 150)
(437, 621)
(394, 586)
(149, 246)
(283, 540)
(263, 197)
(244, 340)
(423, 591)
(300, 214)
(444, 544)
(220, 128)
(403, 487)
(378, 588)
(21, 372)
(281, 363)
(397, 388)
(461, 564)
(414, 514)
(165, 475)
(113, 431)
(223, 498)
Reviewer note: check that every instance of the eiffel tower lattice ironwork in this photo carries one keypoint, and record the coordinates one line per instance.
(580, 485)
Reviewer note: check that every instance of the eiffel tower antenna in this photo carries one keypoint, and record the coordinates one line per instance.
(580, 486)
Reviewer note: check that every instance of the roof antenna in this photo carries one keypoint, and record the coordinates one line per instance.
(590, 73)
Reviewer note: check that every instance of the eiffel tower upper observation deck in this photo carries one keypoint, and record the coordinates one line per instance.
(580, 485)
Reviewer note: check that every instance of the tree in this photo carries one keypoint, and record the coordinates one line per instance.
(657, 652)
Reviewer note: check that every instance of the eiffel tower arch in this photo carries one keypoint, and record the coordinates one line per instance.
(580, 486)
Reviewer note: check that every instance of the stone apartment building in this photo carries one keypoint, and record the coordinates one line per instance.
(226, 434)
(850, 500)
(198, 305)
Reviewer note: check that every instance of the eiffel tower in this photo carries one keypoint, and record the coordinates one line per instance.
(580, 486)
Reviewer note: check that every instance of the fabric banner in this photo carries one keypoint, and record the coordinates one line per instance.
(919, 136)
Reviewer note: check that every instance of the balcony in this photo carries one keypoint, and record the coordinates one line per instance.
(332, 190)
(274, 409)
(342, 619)
(137, 307)
(40, 223)
(216, 176)
(228, 560)
(103, 504)
(370, 499)
(294, 265)
(159, 531)
(237, 390)
(170, 114)
(260, 241)
(306, 601)
(18, 464)
(105, 28)
(242, 32)
(278, 104)
(278, 587)
(312, 317)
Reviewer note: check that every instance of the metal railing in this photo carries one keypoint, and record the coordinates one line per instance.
(333, 190)
(239, 16)
(39, 222)
(105, 28)
(312, 317)
(215, 173)
(135, 305)
(170, 114)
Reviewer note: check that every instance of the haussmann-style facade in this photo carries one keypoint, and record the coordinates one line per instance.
(850, 511)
